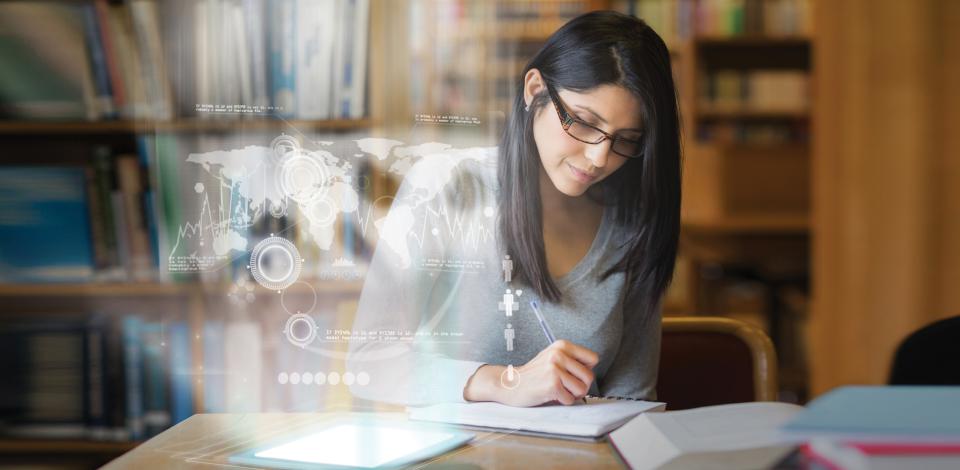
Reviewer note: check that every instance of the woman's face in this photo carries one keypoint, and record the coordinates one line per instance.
(573, 166)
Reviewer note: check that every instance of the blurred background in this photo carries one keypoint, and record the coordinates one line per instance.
(821, 187)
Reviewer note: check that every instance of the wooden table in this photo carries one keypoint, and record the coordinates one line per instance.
(208, 440)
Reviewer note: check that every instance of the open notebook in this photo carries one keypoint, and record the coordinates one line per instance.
(586, 421)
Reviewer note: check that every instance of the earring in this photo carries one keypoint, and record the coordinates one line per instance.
(527, 109)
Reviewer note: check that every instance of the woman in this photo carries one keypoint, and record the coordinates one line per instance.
(586, 183)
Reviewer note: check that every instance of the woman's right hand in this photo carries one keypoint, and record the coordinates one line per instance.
(560, 373)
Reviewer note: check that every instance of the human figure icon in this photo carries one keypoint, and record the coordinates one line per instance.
(509, 335)
(511, 373)
(507, 268)
(509, 304)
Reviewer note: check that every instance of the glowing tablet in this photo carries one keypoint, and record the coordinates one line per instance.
(356, 444)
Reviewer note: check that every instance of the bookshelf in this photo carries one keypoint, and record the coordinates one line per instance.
(743, 73)
(155, 89)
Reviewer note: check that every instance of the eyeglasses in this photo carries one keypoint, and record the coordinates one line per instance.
(626, 143)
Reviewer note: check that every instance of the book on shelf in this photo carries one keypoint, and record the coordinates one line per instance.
(43, 387)
(744, 132)
(46, 71)
(303, 59)
(739, 435)
(679, 20)
(757, 90)
(95, 377)
(80, 223)
(753, 17)
(45, 233)
(150, 60)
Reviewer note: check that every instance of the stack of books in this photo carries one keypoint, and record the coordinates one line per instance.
(99, 378)
(882, 427)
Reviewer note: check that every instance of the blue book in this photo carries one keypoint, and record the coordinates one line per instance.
(132, 368)
(98, 65)
(214, 365)
(147, 157)
(45, 228)
(156, 410)
(95, 377)
(283, 23)
(879, 412)
(181, 383)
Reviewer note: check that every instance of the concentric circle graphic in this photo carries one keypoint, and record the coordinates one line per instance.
(283, 145)
(300, 330)
(275, 263)
(303, 178)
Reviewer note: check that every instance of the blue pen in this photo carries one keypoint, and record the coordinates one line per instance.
(543, 322)
(546, 329)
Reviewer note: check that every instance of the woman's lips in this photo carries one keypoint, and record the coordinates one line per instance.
(581, 175)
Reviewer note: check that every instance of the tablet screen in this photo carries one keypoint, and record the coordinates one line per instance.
(352, 445)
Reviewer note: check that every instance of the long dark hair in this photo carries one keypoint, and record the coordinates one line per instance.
(595, 49)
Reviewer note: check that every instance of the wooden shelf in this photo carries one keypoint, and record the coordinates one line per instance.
(761, 224)
(734, 146)
(161, 289)
(92, 290)
(266, 124)
(710, 112)
(66, 127)
(757, 40)
(56, 446)
(180, 125)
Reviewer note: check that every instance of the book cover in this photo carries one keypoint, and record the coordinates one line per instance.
(44, 388)
(95, 379)
(214, 362)
(256, 13)
(314, 58)
(156, 404)
(45, 231)
(111, 55)
(133, 376)
(44, 72)
(283, 68)
(181, 372)
(131, 190)
(356, 88)
(244, 366)
(146, 29)
(98, 64)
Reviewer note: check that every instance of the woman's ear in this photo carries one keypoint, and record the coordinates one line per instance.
(532, 85)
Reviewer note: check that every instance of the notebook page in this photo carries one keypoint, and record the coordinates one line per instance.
(592, 419)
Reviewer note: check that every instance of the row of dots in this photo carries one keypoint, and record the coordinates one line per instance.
(319, 378)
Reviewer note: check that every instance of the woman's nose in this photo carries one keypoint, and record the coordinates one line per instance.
(598, 153)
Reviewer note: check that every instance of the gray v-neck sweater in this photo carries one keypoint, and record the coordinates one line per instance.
(433, 307)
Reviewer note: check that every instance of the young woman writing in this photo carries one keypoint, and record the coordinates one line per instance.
(582, 195)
